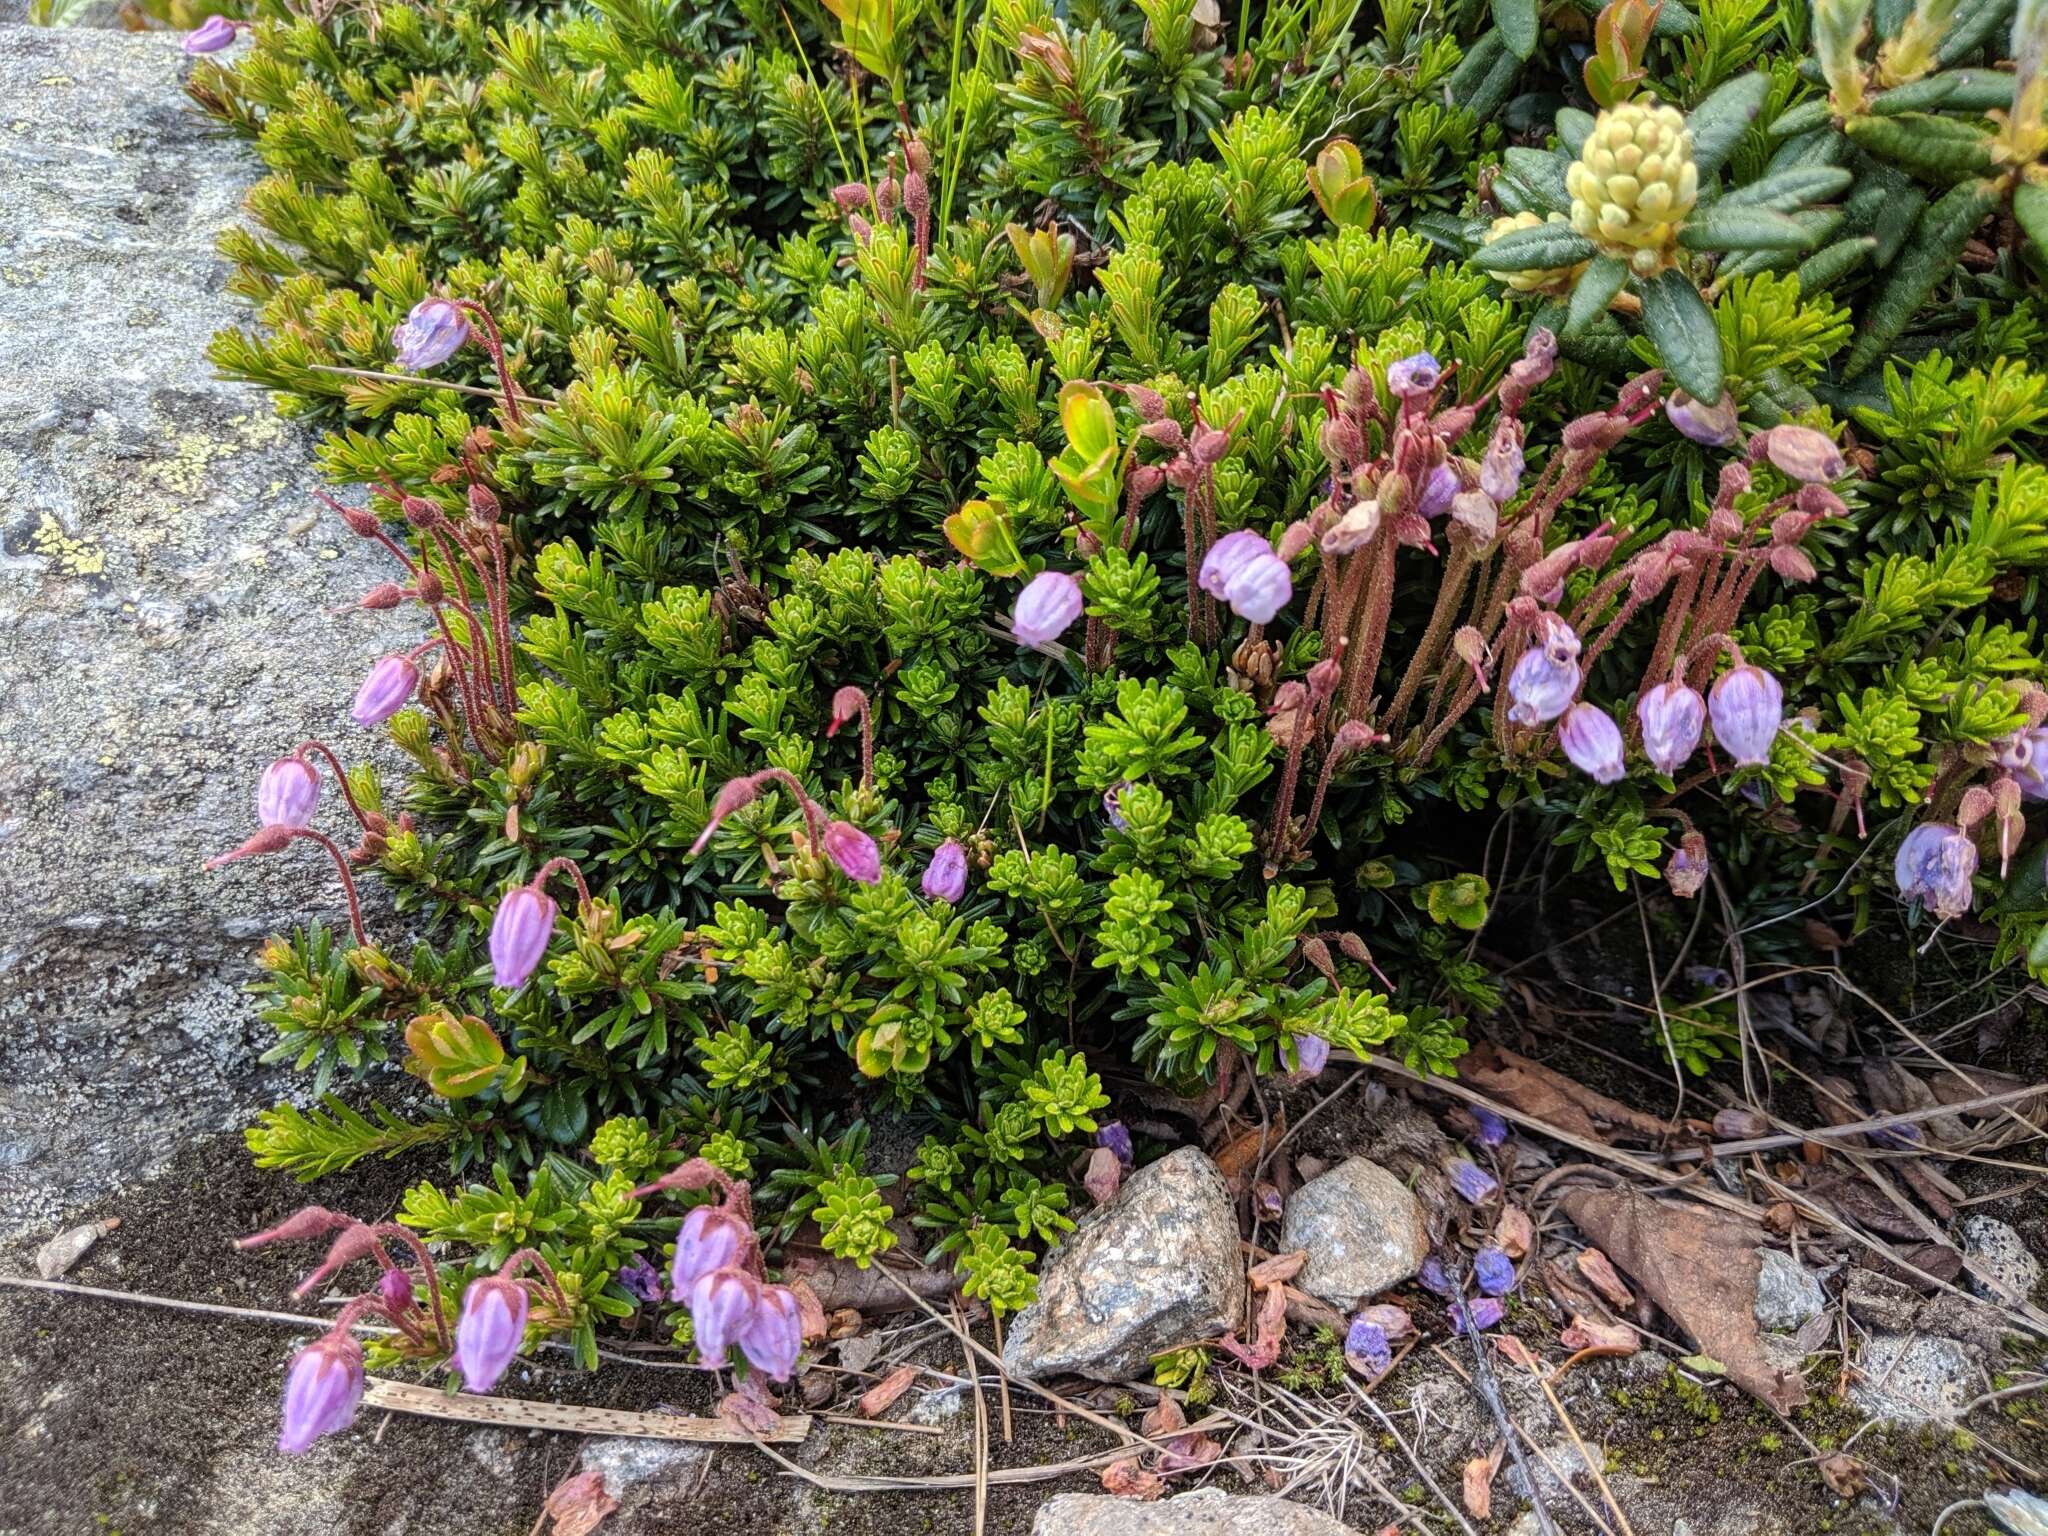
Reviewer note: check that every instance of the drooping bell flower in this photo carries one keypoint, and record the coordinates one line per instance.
(210, 36)
(1492, 1129)
(640, 1280)
(490, 1331)
(1438, 491)
(1714, 425)
(1747, 705)
(1934, 866)
(520, 931)
(945, 878)
(1414, 377)
(1592, 741)
(2030, 764)
(721, 1303)
(854, 852)
(1803, 454)
(1367, 1349)
(1477, 1316)
(1048, 605)
(385, 690)
(321, 1390)
(711, 1238)
(1686, 873)
(1541, 687)
(1671, 715)
(430, 335)
(1116, 1136)
(731, 796)
(1242, 570)
(1312, 1053)
(1494, 1271)
(394, 1287)
(1471, 1181)
(1113, 805)
(1500, 471)
(287, 794)
(1433, 1277)
(773, 1334)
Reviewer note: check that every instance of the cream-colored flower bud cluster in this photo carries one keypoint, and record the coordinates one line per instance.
(1634, 183)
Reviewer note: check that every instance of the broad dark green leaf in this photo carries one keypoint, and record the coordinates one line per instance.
(1521, 250)
(1594, 291)
(1719, 122)
(1681, 327)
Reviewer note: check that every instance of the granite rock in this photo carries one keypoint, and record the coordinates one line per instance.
(1156, 1267)
(165, 597)
(1363, 1229)
(1204, 1512)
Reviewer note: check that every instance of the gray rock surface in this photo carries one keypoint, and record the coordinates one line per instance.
(164, 597)
(1157, 1266)
(1788, 1294)
(2008, 1267)
(1363, 1229)
(1913, 1378)
(1204, 1512)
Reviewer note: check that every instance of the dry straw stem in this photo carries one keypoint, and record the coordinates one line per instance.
(569, 1418)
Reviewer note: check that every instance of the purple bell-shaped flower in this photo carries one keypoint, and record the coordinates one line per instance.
(520, 931)
(321, 1390)
(1046, 608)
(287, 794)
(490, 1331)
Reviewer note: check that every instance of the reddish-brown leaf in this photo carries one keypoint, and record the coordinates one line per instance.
(1105, 1176)
(1514, 1232)
(1277, 1270)
(1599, 1273)
(579, 1505)
(1584, 1336)
(881, 1397)
(1479, 1473)
(809, 1309)
(1127, 1480)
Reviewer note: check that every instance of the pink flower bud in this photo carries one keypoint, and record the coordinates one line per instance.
(854, 852)
(1714, 425)
(385, 595)
(1746, 705)
(945, 878)
(384, 691)
(321, 1390)
(490, 1331)
(732, 795)
(1671, 715)
(394, 1288)
(1048, 605)
(520, 931)
(287, 794)
(847, 705)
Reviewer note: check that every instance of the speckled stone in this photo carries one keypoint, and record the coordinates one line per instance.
(1156, 1267)
(1363, 1229)
(2009, 1269)
(164, 610)
(1914, 1378)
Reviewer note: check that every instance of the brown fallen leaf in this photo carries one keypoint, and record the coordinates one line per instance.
(1479, 1474)
(1556, 1100)
(1268, 1330)
(1185, 1449)
(1240, 1156)
(881, 1397)
(1277, 1270)
(844, 1323)
(1700, 1266)
(1584, 1336)
(1599, 1273)
(1514, 1232)
(1105, 1176)
(838, 1283)
(579, 1504)
(809, 1309)
(1127, 1480)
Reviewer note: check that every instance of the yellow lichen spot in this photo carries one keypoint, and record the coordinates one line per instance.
(73, 557)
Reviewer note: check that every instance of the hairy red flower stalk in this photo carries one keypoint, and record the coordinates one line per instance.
(813, 814)
(475, 655)
(494, 344)
(276, 839)
(531, 1257)
(575, 870)
(1369, 634)
(849, 703)
(1442, 618)
(348, 795)
(1292, 701)
(1351, 737)
(472, 706)
(1672, 629)
(425, 1260)
(368, 525)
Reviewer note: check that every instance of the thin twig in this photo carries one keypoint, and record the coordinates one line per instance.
(412, 378)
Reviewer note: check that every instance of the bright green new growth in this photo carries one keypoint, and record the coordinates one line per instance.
(763, 454)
